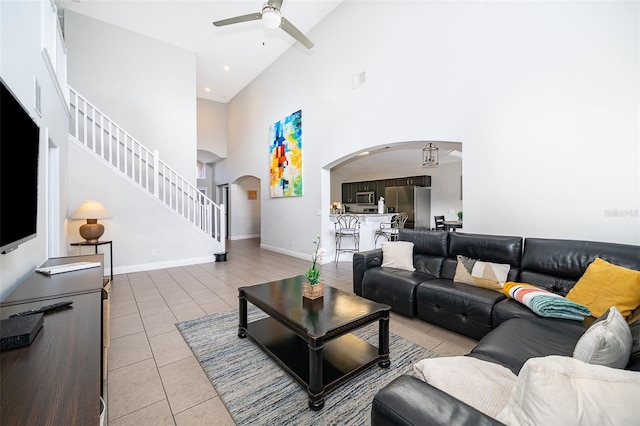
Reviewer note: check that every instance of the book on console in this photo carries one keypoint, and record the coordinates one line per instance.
(19, 331)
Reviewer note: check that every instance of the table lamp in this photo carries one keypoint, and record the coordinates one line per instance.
(91, 211)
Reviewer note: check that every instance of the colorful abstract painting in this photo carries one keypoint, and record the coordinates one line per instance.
(285, 157)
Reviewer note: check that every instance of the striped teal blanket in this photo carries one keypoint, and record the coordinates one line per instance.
(544, 302)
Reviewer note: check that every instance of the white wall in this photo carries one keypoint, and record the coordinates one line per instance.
(543, 94)
(212, 127)
(145, 235)
(445, 192)
(146, 86)
(21, 63)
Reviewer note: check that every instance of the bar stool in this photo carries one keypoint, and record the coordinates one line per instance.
(389, 230)
(347, 225)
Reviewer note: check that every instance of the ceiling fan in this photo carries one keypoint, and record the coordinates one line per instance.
(271, 18)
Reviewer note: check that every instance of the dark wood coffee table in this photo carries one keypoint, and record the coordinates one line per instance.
(312, 340)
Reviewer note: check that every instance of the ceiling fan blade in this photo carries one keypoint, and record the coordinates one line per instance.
(295, 33)
(275, 3)
(235, 20)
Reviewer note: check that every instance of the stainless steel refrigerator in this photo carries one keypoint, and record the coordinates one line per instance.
(414, 200)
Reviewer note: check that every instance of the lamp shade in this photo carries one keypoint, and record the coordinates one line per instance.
(91, 211)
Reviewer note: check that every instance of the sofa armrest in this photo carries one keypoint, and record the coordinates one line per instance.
(361, 262)
(410, 401)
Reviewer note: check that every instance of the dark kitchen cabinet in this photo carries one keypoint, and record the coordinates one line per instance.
(380, 185)
(414, 181)
(366, 186)
(349, 190)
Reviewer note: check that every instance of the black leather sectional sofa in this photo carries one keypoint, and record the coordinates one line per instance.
(509, 333)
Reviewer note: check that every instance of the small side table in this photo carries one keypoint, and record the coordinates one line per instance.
(79, 244)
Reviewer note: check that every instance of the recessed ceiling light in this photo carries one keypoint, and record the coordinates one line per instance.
(206, 89)
(227, 67)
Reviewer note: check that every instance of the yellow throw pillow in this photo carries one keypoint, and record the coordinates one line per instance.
(604, 285)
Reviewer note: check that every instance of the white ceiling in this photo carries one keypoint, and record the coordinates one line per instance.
(246, 48)
(396, 157)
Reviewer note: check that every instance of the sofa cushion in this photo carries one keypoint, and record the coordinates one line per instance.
(398, 254)
(557, 390)
(508, 309)
(462, 308)
(607, 342)
(486, 386)
(481, 274)
(518, 339)
(604, 285)
(394, 287)
(634, 357)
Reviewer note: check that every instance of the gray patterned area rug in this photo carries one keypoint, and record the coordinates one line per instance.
(256, 391)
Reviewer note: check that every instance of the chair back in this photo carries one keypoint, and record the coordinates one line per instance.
(439, 220)
(399, 219)
(347, 222)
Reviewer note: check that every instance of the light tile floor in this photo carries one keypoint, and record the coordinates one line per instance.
(154, 378)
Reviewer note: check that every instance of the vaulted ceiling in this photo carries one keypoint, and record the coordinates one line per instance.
(229, 57)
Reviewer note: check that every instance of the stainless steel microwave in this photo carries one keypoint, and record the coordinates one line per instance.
(366, 198)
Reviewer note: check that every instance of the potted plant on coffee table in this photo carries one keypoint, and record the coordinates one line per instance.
(313, 288)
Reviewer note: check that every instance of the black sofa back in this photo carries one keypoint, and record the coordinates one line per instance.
(430, 248)
(489, 248)
(556, 265)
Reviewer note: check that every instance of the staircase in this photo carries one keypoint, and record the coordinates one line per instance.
(106, 140)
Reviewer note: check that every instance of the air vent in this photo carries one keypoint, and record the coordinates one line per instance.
(358, 79)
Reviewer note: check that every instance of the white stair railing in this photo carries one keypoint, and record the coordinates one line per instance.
(91, 128)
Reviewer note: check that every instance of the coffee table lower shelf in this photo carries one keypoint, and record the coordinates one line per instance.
(342, 357)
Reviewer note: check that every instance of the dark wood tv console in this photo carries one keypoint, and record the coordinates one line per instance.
(58, 378)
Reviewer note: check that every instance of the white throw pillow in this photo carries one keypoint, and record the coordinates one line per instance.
(484, 385)
(398, 254)
(559, 390)
(607, 342)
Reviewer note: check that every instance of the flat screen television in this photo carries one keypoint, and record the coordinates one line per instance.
(19, 149)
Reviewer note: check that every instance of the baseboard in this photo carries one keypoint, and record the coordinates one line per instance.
(344, 257)
(161, 265)
(244, 237)
(291, 253)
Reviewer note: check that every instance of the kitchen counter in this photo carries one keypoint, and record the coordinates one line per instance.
(369, 224)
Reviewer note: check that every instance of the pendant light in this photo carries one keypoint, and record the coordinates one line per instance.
(430, 155)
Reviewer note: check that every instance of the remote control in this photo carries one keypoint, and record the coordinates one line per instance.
(42, 309)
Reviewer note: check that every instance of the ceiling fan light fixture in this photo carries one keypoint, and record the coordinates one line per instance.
(271, 17)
